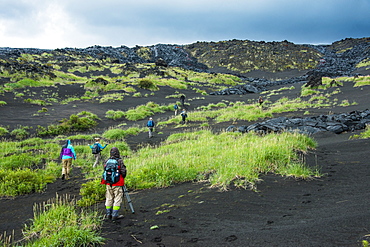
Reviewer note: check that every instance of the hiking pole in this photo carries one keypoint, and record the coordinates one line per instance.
(125, 191)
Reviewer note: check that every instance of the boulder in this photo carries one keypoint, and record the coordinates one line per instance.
(336, 123)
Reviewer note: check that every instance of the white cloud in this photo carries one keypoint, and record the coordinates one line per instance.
(46, 25)
(67, 23)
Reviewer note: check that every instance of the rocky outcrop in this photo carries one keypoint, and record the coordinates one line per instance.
(339, 59)
(243, 56)
(336, 123)
(234, 56)
(170, 55)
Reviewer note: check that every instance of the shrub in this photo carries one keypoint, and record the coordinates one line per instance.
(44, 109)
(62, 223)
(143, 111)
(20, 133)
(91, 192)
(2, 103)
(111, 114)
(120, 134)
(111, 98)
(248, 155)
(147, 84)
(36, 102)
(18, 182)
(80, 122)
(114, 134)
(3, 131)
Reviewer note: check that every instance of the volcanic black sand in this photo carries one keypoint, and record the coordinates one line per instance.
(332, 210)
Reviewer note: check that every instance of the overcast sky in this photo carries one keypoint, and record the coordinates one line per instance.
(51, 24)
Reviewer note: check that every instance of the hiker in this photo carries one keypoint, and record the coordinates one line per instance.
(182, 99)
(260, 100)
(96, 149)
(176, 108)
(67, 154)
(183, 116)
(150, 126)
(114, 186)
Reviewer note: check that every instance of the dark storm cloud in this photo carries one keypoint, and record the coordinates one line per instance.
(146, 22)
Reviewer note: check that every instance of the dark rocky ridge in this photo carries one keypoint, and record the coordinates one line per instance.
(336, 123)
(235, 57)
(338, 59)
(228, 56)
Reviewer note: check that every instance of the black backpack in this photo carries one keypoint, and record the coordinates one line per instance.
(111, 173)
(95, 149)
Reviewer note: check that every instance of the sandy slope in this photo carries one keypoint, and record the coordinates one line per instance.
(328, 211)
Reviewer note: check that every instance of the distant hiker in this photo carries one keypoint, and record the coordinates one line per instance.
(150, 126)
(67, 154)
(114, 178)
(182, 100)
(260, 100)
(176, 108)
(96, 149)
(183, 116)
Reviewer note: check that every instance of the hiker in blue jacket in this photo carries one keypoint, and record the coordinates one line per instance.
(150, 126)
(67, 154)
(96, 150)
(176, 108)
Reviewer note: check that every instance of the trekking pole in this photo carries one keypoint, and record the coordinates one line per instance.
(125, 191)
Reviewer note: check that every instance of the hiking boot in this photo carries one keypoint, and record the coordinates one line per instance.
(116, 216)
(109, 213)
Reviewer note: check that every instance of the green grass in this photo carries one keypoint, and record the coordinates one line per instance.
(27, 166)
(3, 131)
(363, 63)
(120, 134)
(24, 83)
(76, 122)
(363, 135)
(362, 81)
(36, 102)
(20, 133)
(144, 111)
(60, 222)
(240, 110)
(230, 158)
(112, 114)
(111, 97)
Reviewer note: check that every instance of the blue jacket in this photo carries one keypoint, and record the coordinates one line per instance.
(150, 123)
(68, 151)
(100, 146)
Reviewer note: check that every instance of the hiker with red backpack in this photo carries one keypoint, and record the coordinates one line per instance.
(114, 178)
(96, 149)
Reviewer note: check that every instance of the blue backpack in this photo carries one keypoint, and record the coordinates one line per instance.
(111, 173)
(150, 123)
(95, 149)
